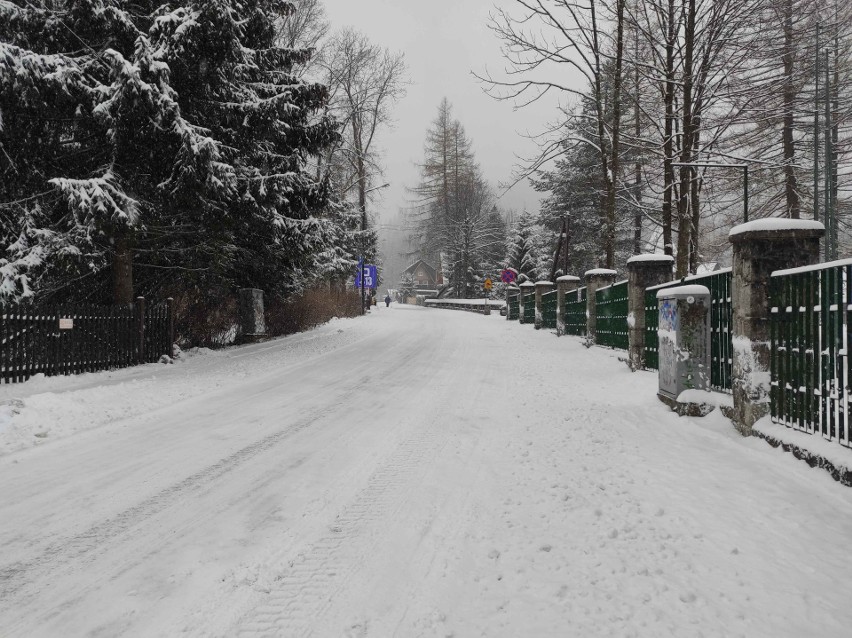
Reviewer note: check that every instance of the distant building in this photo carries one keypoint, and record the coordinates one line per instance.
(427, 279)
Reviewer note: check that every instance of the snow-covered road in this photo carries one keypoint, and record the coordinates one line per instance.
(413, 473)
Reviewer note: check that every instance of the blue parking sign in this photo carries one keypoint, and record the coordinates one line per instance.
(369, 274)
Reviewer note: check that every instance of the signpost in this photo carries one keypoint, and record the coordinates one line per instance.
(370, 279)
(487, 285)
(507, 276)
(365, 277)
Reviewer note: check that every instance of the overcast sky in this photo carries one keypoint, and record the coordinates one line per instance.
(443, 40)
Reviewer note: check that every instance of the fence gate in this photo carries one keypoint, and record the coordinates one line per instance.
(809, 361)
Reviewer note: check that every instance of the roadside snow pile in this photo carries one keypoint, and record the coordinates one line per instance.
(44, 409)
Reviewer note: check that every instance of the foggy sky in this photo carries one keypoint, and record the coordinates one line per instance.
(443, 40)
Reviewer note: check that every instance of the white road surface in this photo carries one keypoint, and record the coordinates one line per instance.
(413, 473)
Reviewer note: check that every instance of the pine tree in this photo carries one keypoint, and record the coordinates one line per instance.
(171, 140)
(526, 251)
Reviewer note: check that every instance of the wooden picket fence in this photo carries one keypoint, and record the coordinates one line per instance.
(70, 339)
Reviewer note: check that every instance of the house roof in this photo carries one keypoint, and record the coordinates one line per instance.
(429, 269)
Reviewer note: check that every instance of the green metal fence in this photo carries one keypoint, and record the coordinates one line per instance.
(721, 324)
(548, 309)
(575, 312)
(512, 307)
(809, 362)
(611, 309)
(529, 308)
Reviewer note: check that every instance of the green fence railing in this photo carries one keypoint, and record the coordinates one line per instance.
(512, 307)
(611, 308)
(809, 362)
(575, 312)
(721, 343)
(529, 308)
(548, 309)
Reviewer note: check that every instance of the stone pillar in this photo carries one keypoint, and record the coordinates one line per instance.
(564, 285)
(541, 287)
(595, 279)
(643, 271)
(252, 321)
(527, 288)
(761, 247)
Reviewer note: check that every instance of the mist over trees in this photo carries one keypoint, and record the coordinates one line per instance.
(456, 217)
(653, 89)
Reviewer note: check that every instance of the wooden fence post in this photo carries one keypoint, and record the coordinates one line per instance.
(140, 329)
(170, 308)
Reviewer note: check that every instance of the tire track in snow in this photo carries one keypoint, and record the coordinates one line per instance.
(15, 577)
(59, 559)
(308, 585)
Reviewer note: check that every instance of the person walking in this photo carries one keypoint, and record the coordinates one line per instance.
(387, 301)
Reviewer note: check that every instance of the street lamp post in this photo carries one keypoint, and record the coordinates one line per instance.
(363, 244)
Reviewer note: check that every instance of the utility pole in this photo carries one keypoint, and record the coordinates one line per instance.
(361, 260)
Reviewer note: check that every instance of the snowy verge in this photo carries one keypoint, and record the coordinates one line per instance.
(45, 409)
(811, 448)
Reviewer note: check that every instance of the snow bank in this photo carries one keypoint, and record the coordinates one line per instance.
(650, 257)
(775, 224)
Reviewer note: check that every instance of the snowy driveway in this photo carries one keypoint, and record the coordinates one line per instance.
(413, 473)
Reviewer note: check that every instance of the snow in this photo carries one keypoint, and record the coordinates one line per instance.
(653, 257)
(527, 284)
(757, 380)
(831, 451)
(567, 278)
(544, 283)
(601, 271)
(706, 397)
(823, 266)
(408, 473)
(496, 303)
(776, 224)
(682, 291)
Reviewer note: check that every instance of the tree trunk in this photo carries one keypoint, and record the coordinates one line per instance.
(791, 187)
(637, 132)
(687, 173)
(122, 270)
(615, 150)
(668, 142)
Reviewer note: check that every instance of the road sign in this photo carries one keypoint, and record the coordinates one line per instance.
(508, 276)
(370, 277)
(487, 285)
